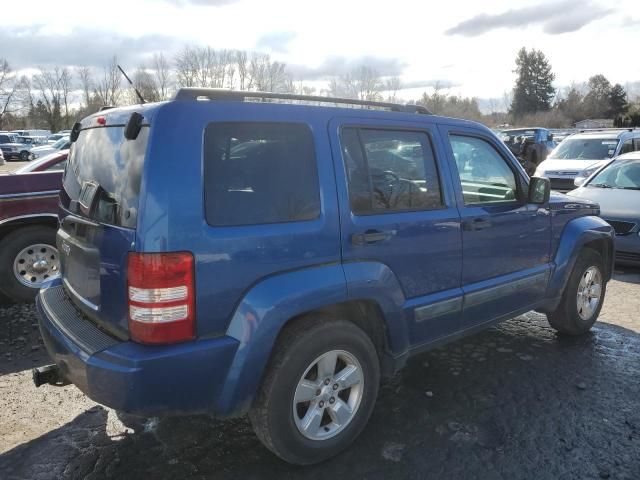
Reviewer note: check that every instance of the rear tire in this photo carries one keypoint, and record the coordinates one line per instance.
(10, 248)
(583, 296)
(24, 156)
(302, 431)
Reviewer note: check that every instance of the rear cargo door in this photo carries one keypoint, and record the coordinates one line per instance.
(100, 194)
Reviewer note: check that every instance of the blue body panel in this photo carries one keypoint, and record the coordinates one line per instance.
(95, 272)
(229, 260)
(424, 254)
(432, 281)
(258, 319)
(143, 379)
(576, 233)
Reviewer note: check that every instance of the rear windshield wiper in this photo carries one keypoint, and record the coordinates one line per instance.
(601, 185)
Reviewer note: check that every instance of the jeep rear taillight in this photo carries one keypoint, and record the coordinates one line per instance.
(161, 297)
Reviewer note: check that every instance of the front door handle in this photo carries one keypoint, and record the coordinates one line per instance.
(476, 224)
(371, 236)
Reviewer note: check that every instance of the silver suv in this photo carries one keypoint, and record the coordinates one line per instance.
(580, 155)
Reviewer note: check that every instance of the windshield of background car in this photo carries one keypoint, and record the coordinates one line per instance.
(60, 143)
(585, 149)
(623, 174)
(104, 174)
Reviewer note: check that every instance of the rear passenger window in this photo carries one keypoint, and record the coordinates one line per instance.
(390, 171)
(258, 173)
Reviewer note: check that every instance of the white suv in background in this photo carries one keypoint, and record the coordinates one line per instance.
(581, 154)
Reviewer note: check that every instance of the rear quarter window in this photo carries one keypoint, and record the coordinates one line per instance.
(259, 173)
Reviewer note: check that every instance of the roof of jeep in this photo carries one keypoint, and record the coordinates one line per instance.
(120, 115)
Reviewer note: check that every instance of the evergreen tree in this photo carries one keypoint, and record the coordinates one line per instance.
(571, 105)
(596, 102)
(533, 91)
(617, 101)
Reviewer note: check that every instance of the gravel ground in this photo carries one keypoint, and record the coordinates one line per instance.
(513, 402)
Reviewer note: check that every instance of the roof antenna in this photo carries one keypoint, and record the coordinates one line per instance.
(142, 100)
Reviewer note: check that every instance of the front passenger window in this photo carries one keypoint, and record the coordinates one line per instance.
(484, 174)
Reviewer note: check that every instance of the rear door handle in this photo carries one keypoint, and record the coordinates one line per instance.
(371, 236)
(476, 224)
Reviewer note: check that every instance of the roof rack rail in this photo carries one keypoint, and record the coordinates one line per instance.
(608, 129)
(190, 93)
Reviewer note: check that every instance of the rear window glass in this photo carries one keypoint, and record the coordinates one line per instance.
(259, 173)
(103, 176)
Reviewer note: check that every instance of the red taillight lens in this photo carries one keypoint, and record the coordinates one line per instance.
(161, 297)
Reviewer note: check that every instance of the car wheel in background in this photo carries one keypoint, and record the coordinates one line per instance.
(28, 258)
(24, 156)
(318, 391)
(583, 296)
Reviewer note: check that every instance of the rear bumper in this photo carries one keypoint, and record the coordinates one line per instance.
(146, 380)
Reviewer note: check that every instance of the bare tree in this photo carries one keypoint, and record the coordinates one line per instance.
(186, 67)
(507, 98)
(392, 85)
(162, 73)
(66, 86)
(52, 89)
(145, 82)
(363, 83)
(14, 94)
(243, 71)
(87, 84)
(107, 89)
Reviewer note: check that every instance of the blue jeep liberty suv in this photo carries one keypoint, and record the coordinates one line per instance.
(277, 255)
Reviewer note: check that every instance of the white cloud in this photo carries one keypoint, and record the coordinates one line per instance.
(403, 37)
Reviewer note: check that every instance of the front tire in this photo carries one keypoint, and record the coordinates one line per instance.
(24, 156)
(28, 258)
(583, 296)
(319, 390)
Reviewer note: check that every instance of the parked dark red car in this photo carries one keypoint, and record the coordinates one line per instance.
(28, 222)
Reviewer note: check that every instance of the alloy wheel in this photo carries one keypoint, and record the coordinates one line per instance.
(328, 395)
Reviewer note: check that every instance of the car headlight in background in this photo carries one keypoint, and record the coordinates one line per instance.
(587, 172)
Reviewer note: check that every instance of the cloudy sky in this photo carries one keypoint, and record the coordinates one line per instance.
(468, 46)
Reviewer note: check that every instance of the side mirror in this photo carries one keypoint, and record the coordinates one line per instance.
(579, 181)
(550, 137)
(539, 190)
